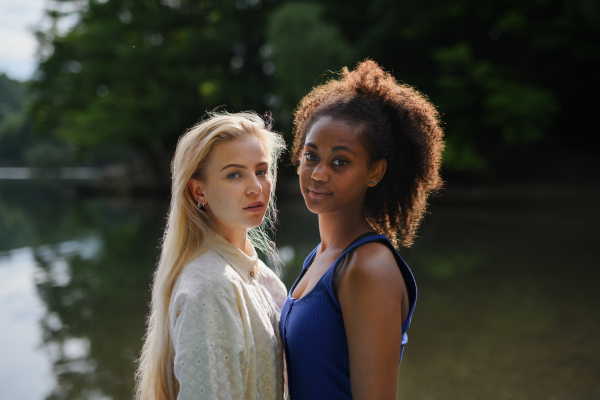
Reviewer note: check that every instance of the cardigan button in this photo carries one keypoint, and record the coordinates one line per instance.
(252, 273)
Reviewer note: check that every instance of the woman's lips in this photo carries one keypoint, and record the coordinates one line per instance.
(255, 207)
(317, 194)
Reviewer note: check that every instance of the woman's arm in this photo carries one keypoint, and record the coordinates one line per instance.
(209, 348)
(371, 295)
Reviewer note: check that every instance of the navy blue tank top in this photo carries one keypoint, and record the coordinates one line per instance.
(314, 336)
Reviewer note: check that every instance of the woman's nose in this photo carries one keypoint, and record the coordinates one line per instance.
(254, 187)
(320, 174)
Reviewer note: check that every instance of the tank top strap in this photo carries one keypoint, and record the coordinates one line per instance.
(307, 262)
(309, 259)
(409, 279)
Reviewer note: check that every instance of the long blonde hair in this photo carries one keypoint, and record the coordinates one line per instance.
(186, 236)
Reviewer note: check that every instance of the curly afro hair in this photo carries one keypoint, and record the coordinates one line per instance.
(396, 123)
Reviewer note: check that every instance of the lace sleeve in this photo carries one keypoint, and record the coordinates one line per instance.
(209, 343)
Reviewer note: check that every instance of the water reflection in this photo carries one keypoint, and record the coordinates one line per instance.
(507, 297)
(507, 303)
(25, 371)
(94, 260)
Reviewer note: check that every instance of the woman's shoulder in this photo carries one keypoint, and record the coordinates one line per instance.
(376, 246)
(206, 272)
(374, 259)
(380, 257)
(206, 278)
(204, 265)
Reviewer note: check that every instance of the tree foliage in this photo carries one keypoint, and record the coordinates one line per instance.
(305, 46)
(15, 126)
(136, 73)
(502, 73)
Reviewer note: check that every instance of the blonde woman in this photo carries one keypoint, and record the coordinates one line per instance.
(213, 328)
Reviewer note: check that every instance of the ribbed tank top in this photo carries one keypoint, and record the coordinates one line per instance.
(314, 336)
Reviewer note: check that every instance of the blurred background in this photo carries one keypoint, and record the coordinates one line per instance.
(94, 95)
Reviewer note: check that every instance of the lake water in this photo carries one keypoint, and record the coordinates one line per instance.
(507, 308)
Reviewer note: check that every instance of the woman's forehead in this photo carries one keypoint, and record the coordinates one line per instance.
(331, 132)
(248, 150)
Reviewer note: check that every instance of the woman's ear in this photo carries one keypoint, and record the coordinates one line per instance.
(197, 190)
(376, 172)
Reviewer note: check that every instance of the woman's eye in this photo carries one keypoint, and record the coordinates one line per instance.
(310, 156)
(340, 162)
(262, 172)
(233, 175)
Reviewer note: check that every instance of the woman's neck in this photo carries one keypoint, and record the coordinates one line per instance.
(234, 235)
(337, 230)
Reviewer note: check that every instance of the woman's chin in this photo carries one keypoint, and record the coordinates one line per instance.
(255, 221)
(315, 207)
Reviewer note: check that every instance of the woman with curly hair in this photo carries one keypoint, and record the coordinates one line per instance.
(368, 151)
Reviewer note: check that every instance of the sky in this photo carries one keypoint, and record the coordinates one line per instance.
(18, 19)
(17, 43)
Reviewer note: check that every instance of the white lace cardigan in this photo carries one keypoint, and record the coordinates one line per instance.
(224, 315)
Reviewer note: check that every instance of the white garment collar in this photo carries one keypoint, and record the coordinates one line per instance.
(246, 265)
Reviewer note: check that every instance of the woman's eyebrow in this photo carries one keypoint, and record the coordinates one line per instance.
(243, 166)
(336, 148)
(234, 165)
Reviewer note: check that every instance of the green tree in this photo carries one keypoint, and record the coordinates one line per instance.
(136, 73)
(305, 46)
(503, 74)
(15, 126)
(13, 95)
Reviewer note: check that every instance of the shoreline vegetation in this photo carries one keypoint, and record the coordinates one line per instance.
(123, 181)
(118, 88)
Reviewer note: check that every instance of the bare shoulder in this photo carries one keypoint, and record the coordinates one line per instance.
(374, 261)
(372, 278)
(372, 287)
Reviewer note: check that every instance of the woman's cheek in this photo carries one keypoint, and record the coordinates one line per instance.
(266, 187)
(303, 172)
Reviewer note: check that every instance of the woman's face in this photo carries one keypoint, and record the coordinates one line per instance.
(335, 168)
(236, 184)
